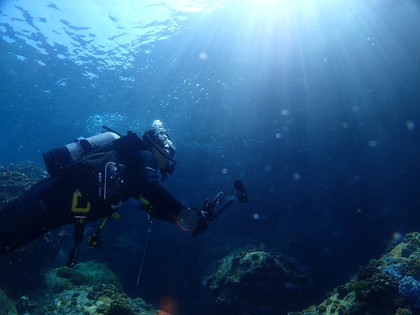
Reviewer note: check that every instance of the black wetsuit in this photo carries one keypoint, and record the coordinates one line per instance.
(47, 204)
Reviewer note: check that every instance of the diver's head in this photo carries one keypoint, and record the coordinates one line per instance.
(162, 146)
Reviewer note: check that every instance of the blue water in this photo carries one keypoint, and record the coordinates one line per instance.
(315, 105)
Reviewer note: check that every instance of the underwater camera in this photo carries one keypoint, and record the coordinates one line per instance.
(240, 191)
(189, 219)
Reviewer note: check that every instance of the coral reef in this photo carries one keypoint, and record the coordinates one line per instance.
(89, 288)
(257, 282)
(15, 178)
(99, 299)
(389, 285)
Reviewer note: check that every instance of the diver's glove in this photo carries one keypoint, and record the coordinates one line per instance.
(201, 227)
(145, 205)
(205, 216)
(193, 220)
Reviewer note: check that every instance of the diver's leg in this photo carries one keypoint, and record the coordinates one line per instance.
(43, 207)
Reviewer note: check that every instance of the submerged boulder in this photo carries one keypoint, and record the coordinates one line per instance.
(84, 273)
(88, 288)
(257, 282)
(7, 306)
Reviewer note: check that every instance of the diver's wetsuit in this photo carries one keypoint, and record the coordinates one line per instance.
(47, 204)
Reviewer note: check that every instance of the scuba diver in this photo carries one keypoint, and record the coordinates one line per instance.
(92, 178)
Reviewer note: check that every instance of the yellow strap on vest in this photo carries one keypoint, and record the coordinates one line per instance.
(144, 200)
(116, 215)
(79, 203)
(103, 223)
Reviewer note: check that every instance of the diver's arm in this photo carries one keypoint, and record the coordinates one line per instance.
(164, 205)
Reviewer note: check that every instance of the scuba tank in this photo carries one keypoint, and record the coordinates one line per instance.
(58, 158)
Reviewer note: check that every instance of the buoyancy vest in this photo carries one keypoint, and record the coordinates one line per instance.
(94, 168)
(95, 164)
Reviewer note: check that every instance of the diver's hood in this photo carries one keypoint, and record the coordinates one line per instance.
(159, 136)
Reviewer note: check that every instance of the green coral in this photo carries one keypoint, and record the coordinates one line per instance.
(334, 305)
(254, 259)
(120, 307)
(379, 286)
(403, 311)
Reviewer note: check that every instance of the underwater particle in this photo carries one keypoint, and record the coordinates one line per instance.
(257, 216)
(357, 178)
(267, 168)
(397, 236)
(345, 125)
(326, 250)
(355, 109)
(411, 125)
(358, 210)
(296, 176)
(224, 171)
(202, 55)
(278, 135)
(284, 112)
(95, 122)
(373, 143)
